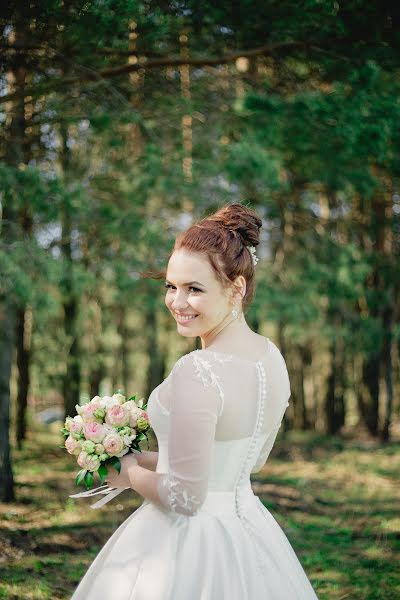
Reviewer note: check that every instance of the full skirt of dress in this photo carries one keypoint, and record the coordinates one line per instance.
(228, 550)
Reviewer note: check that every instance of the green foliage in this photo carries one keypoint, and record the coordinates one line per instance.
(88, 479)
(102, 473)
(81, 476)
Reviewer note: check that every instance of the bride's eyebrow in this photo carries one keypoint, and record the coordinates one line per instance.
(188, 283)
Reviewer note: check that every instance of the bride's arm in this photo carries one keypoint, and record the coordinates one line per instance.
(147, 459)
(195, 407)
(144, 482)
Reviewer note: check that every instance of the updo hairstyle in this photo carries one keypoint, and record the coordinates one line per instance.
(224, 237)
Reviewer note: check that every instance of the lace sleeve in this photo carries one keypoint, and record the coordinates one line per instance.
(196, 403)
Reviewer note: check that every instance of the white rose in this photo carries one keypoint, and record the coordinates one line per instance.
(128, 439)
(110, 401)
(120, 398)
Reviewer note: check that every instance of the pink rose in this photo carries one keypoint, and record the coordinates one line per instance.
(76, 426)
(117, 416)
(94, 432)
(72, 446)
(135, 413)
(81, 459)
(88, 410)
(113, 444)
(90, 462)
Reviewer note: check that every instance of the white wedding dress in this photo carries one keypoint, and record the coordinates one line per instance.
(216, 417)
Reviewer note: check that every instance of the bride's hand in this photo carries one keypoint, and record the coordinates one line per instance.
(121, 480)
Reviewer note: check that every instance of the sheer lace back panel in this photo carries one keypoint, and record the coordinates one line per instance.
(232, 383)
(209, 408)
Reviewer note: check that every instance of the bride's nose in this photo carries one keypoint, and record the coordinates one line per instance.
(180, 301)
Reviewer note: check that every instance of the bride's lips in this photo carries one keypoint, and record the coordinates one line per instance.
(184, 319)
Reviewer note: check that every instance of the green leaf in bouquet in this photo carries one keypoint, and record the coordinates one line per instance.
(102, 472)
(140, 436)
(88, 479)
(132, 397)
(64, 431)
(80, 476)
(115, 462)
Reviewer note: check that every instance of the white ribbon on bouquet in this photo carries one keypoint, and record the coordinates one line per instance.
(109, 493)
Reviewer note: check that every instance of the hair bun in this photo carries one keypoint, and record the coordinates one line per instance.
(240, 219)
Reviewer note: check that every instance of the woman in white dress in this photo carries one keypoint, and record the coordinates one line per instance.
(201, 533)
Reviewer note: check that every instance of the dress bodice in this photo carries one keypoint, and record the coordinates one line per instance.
(250, 398)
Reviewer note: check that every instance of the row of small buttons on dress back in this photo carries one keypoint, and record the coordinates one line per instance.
(249, 456)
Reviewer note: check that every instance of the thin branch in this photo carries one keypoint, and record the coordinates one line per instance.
(144, 63)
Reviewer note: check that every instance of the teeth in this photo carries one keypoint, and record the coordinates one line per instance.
(185, 318)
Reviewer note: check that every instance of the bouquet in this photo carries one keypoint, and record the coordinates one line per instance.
(104, 430)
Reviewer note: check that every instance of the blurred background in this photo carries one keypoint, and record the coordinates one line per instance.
(122, 122)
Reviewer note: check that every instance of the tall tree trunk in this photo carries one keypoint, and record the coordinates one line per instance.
(96, 373)
(13, 157)
(123, 349)
(334, 400)
(72, 377)
(297, 386)
(23, 337)
(156, 369)
(7, 340)
(23, 361)
(381, 217)
(388, 366)
(282, 347)
(95, 379)
(370, 376)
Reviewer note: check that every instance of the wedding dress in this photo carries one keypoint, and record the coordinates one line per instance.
(216, 417)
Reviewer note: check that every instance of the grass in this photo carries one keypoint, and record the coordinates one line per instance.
(339, 506)
(336, 499)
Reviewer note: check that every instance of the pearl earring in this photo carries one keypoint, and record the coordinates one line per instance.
(235, 313)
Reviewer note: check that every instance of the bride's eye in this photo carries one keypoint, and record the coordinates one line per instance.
(170, 286)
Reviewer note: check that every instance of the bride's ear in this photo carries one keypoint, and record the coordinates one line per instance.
(238, 290)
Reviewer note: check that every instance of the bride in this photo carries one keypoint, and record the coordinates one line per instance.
(201, 533)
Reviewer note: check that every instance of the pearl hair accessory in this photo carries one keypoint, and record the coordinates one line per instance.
(252, 251)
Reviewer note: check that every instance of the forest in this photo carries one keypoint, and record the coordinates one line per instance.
(122, 122)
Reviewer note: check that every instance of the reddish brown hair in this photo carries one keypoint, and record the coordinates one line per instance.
(223, 237)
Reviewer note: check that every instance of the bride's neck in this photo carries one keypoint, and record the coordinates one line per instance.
(228, 328)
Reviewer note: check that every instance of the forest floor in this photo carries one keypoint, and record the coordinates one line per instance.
(336, 499)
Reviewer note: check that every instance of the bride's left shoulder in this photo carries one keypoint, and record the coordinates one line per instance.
(276, 356)
(184, 362)
(198, 363)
